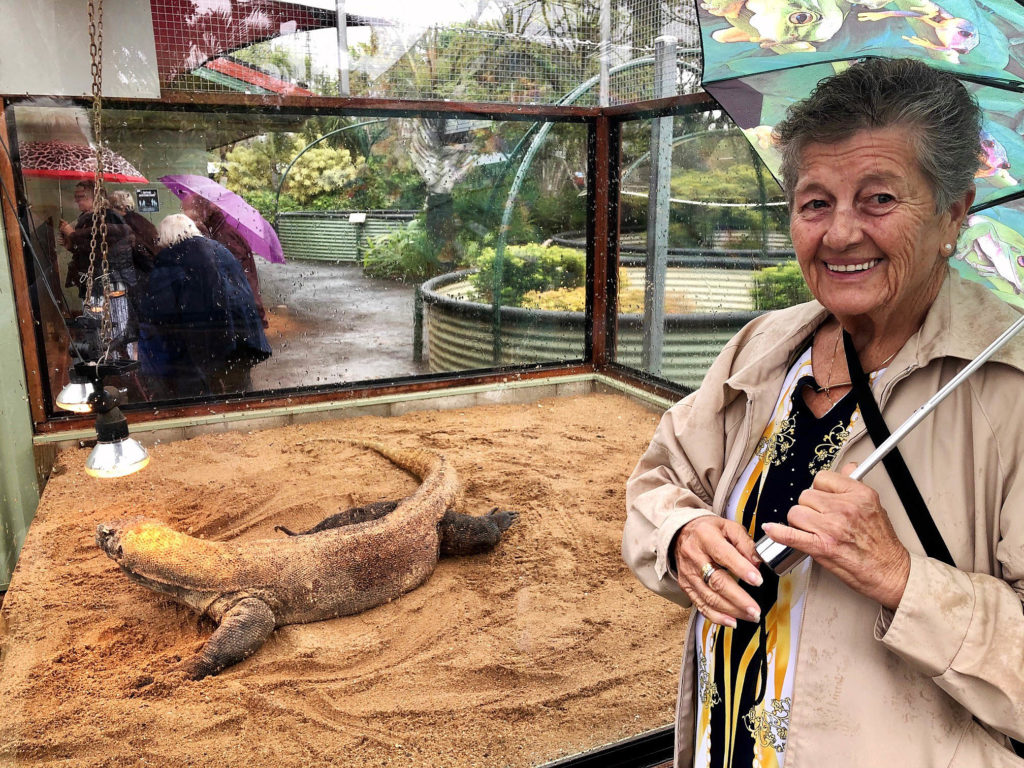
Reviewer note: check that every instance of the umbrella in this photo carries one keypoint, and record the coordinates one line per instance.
(761, 57)
(65, 160)
(256, 230)
(757, 64)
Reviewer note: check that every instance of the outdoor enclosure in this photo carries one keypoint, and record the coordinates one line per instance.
(512, 232)
(474, 210)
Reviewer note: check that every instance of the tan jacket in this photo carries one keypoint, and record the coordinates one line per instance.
(938, 682)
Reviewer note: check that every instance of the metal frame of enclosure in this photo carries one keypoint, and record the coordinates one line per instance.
(603, 138)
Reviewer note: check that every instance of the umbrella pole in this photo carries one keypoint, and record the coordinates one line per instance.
(783, 559)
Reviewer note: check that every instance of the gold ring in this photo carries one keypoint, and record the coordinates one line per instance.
(706, 571)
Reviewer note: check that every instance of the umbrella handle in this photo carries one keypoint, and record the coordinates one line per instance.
(782, 559)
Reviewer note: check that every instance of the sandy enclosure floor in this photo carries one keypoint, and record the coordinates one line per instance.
(544, 648)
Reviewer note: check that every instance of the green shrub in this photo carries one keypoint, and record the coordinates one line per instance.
(779, 287)
(379, 185)
(264, 200)
(401, 255)
(560, 211)
(527, 268)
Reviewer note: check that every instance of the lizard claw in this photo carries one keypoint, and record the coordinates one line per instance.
(503, 517)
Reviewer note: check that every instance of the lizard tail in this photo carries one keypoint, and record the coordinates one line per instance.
(420, 462)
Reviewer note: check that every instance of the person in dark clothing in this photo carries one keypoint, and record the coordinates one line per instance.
(145, 246)
(200, 329)
(77, 238)
(120, 270)
(210, 218)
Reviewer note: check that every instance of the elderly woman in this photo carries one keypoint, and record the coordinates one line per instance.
(870, 651)
(214, 224)
(200, 331)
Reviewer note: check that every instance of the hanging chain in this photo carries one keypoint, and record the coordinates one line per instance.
(99, 202)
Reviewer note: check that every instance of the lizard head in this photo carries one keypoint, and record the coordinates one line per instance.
(123, 540)
(108, 538)
(155, 554)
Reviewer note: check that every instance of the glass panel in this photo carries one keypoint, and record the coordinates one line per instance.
(518, 51)
(378, 220)
(691, 261)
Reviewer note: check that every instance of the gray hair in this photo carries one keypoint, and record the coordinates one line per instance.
(176, 228)
(942, 121)
(121, 200)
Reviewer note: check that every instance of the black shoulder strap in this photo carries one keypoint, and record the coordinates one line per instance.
(900, 475)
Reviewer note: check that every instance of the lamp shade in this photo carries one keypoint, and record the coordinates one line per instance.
(116, 459)
(115, 454)
(75, 396)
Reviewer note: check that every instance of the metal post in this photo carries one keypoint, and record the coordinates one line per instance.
(417, 326)
(604, 93)
(343, 60)
(658, 209)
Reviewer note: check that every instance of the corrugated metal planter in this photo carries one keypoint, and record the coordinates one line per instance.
(334, 235)
(460, 331)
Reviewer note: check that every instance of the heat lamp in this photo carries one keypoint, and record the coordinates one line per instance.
(75, 395)
(116, 454)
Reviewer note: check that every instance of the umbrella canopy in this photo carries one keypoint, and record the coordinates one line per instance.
(65, 160)
(761, 57)
(256, 230)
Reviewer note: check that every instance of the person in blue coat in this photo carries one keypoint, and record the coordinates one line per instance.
(200, 329)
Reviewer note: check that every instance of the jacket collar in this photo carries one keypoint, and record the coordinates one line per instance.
(964, 319)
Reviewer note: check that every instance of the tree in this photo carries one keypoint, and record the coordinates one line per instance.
(443, 160)
(269, 58)
(321, 170)
(256, 165)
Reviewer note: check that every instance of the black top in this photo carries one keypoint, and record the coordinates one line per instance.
(800, 446)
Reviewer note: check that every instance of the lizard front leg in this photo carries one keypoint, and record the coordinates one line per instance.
(926, 44)
(244, 628)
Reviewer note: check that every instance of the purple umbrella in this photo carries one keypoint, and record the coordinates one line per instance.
(256, 230)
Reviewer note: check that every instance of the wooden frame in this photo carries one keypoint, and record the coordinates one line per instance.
(32, 352)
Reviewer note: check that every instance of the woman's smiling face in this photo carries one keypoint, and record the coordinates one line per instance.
(869, 241)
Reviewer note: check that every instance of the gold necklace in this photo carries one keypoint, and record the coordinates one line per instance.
(835, 350)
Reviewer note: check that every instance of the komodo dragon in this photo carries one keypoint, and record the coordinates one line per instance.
(352, 561)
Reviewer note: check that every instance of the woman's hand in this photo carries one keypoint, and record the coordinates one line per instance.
(841, 524)
(66, 229)
(730, 550)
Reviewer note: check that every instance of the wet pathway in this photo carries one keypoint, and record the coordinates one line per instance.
(329, 324)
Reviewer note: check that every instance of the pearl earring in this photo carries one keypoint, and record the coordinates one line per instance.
(949, 246)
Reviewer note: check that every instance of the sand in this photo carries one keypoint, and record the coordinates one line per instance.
(543, 648)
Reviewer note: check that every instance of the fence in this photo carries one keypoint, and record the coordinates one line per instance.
(335, 235)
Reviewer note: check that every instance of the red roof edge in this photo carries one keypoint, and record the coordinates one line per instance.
(255, 77)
